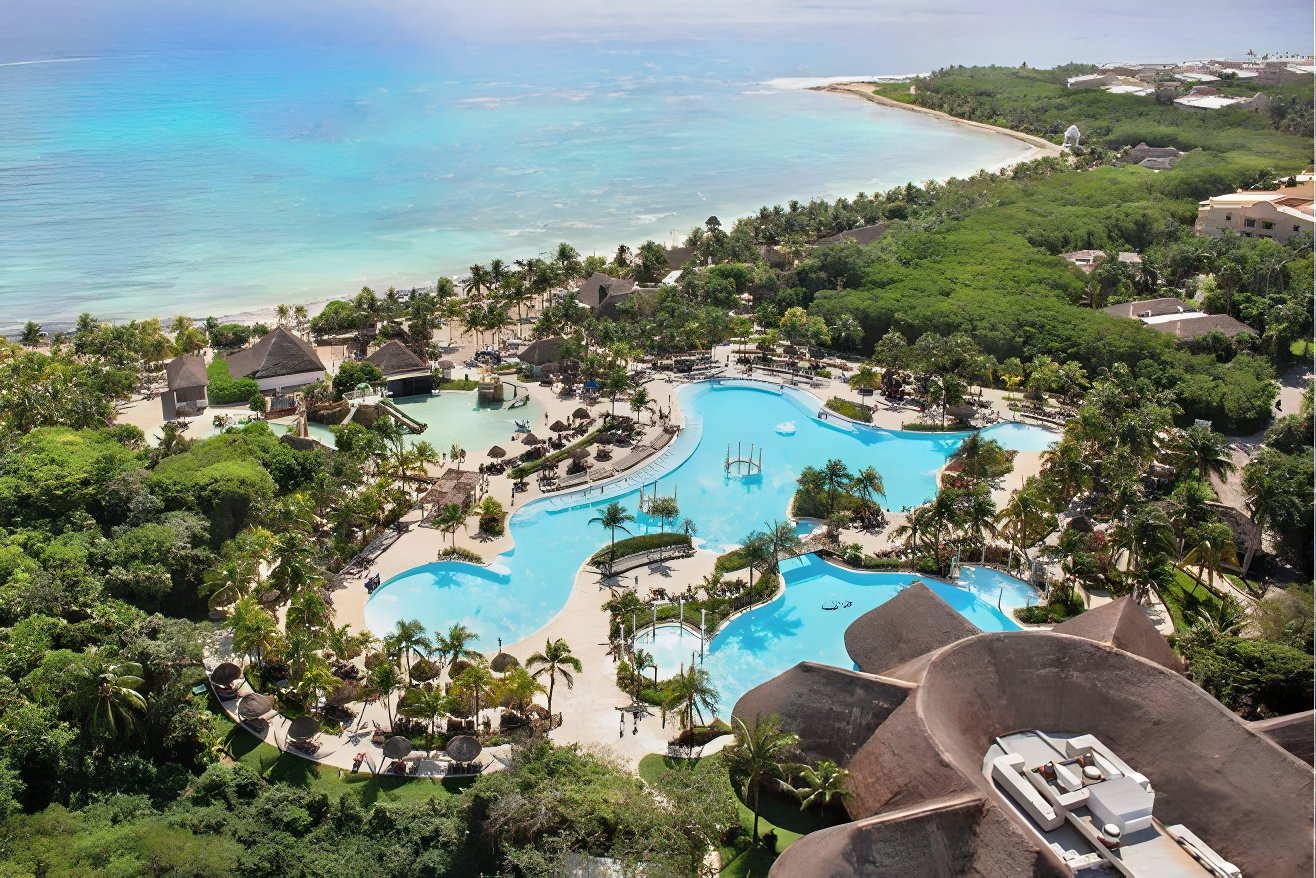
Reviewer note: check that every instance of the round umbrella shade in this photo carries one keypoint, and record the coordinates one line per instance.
(463, 748)
(502, 663)
(255, 706)
(579, 453)
(363, 386)
(225, 674)
(446, 364)
(531, 439)
(581, 413)
(303, 727)
(559, 427)
(397, 747)
(497, 452)
(591, 384)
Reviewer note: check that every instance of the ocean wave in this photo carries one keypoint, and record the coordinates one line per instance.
(50, 61)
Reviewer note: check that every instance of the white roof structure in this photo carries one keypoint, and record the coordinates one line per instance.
(1207, 102)
(1086, 79)
(1197, 77)
(1130, 90)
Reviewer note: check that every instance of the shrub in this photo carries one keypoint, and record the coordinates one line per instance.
(1254, 678)
(460, 553)
(491, 525)
(853, 410)
(457, 384)
(224, 389)
(920, 427)
(353, 372)
(637, 544)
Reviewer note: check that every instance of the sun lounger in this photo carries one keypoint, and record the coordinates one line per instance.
(573, 480)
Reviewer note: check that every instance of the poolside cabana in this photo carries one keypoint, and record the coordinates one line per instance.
(405, 373)
(186, 387)
(452, 486)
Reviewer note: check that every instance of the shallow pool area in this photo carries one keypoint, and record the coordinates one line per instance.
(456, 417)
(799, 625)
(1016, 436)
(525, 587)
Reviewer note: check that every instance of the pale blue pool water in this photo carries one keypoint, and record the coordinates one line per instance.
(1015, 436)
(794, 628)
(457, 417)
(526, 586)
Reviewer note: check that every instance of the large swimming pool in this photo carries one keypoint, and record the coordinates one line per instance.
(522, 589)
(794, 628)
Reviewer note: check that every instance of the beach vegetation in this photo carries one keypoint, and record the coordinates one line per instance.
(635, 545)
(224, 389)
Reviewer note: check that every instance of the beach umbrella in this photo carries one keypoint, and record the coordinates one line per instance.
(497, 452)
(225, 673)
(302, 728)
(502, 663)
(255, 706)
(397, 747)
(463, 748)
(364, 385)
(559, 427)
(581, 413)
(446, 364)
(579, 453)
(531, 439)
(591, 384)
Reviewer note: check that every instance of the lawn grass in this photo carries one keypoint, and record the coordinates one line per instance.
(785, 818)
(895, 91)
(279, 767)
(1183, 596)
(1301, 348)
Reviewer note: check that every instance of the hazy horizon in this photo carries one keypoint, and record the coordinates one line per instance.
(793, 38)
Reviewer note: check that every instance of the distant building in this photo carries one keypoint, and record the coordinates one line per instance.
(1157, 158)
(1042, 753)
(280, 360)
(1178, 318)
(1088, 259)
(680, 257)
(1279, 214)
(1204, 97)
(601, 293)
(405, 373)
(543, 356)
(186, 393)
(861, 235)
(1091, 80)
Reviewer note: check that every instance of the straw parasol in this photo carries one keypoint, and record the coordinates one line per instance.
(463, 748)
(502, 663)
(579, 453)
(559, 427)
(581, 413)
(302, 728)
(397, 747)
(255, 706)
(531, 439)
(446, 364)
(497, 452)
(225, 673)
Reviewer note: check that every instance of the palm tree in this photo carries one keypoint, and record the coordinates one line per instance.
(782, 540)
(255, 630)
(478, 281)
(690, 693)
(231, 579)
(555, 661)
(978, 518)
(640, 662)
(408, 637)
(517, 687)
(474, 682)
(450, 517)
(1211, 548)
(455, 645)
(640, 401)
(823, 784)
(614, 517)
(382, 681)
(1143, 535)
(665, 509)
(868, 484)
(1202, 449)
(426, 703)
(916, 529)
(757, 551)
(836, 477)
(759, 752)
(615, 383)
(117, 701)
(1226, 617)
(1026, 519)
(1270, 500)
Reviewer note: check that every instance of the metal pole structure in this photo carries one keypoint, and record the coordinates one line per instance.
(681, 607)
(703, 630)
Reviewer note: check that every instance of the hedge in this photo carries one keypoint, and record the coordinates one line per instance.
(919, 427)
(637, 544)
(853, 410)
(224, 389)
(527, 469)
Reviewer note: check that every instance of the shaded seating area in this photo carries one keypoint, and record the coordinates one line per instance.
(453, 486)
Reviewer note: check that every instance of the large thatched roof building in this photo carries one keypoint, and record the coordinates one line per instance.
(185, 393)
(915, 738)
(278, 360)
(405, 373)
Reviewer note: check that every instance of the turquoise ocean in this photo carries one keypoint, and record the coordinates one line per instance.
(136, 184)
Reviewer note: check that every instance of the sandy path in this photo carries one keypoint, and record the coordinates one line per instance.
(865, 90)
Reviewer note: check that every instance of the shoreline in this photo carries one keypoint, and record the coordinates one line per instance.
(863, 90)
(265, 312)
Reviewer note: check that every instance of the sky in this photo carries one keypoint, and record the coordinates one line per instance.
(824, 36)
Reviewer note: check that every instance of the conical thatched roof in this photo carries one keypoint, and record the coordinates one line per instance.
(531, 439)
(225, 673)
(542, 352)
(463, 748)
(581, 413)
(254, 706)
(397, 747)
(497, 452)
(503, 662)
(186, 371)
(395, 358)
(558, 427)
(1122, 624)
(302, 728)
(914, 622)
(276, 354)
